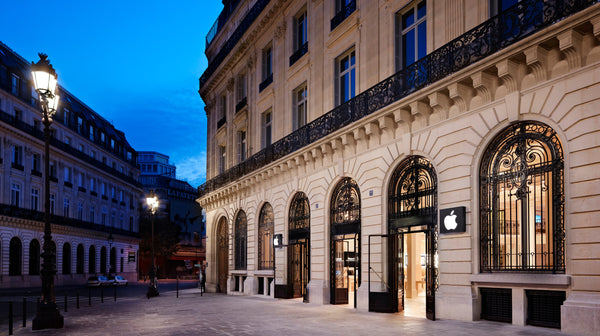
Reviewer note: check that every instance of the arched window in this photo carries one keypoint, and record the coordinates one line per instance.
(265, 237)
(80, 259)
(15, 256)
(66, 259)
(241, 232)
(412, 195)
(222, 255)
(345, 205)
(34, 257)
(522, 201)
(103, 260)
(92, 260)
(299, 218)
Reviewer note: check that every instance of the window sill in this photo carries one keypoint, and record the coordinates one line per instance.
(559, 280)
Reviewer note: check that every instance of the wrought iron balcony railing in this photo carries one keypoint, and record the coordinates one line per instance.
(16, 212)
(501, 31)
(343, 14)
(29, 129)
(299, 53)
(241, 104)
(263, 85)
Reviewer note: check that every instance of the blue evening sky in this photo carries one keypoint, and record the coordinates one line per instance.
(136, 63)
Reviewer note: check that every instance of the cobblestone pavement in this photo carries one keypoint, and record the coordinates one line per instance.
(218, 314)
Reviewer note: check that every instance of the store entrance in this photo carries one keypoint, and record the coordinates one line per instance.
(410, 279)
(345, 269)
(299, 268)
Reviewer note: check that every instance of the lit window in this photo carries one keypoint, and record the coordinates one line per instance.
(346, 77)
(15, 195)
(241, 146)
(267, 123)
(300, 107)
(411, 35)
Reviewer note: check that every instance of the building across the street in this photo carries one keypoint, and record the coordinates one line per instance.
(439, 158)
(94, 188)
(177, 207)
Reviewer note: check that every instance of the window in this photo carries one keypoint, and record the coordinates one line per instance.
(241, 146)
(300, 37)
(103, 188)
(240, 248)
(91, 135)
(66, 207)
(37, 124)
(131, 223)
(34, 257)
(112, 143)
(121, 196)
(92, 214)
(102, 137)
(36, 162)
(222, 108)
(79, 125)
(93, 154)
(18, 115)
(14, 81)
(266, 128)
(68, 140)
(15, 195)
(52, 203)
(52, 169)
(66, 259)
(66, 116)
(222, 158)
(300, 107)
(17, 156)
(346, 77)
(113, 218)
(499, 6)
(15, 256)
(35, 199)
(68, 173)
(113, 193)
(81, 149)
(522, 201)
(92, 184)
(121, 221)
(343, 9)
(81, 180)
(103, 216)
(80, 211)
(267, 63)
(265, 237)
(411, 35)
(241, 87)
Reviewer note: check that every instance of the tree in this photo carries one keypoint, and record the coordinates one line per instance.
(166, 236)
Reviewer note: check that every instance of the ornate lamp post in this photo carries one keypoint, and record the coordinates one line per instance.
(44, 80)
(152, 201)
(110, 254)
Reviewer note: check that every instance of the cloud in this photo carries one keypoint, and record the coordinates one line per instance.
(191, 168)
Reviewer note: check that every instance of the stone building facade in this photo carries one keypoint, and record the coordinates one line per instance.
(94, 188)
(433, 157)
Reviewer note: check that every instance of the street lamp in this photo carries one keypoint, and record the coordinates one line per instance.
(44, 80)
(110, 254)
(152, 201)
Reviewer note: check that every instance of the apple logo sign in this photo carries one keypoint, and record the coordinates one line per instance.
(450, 221)
(453, 220)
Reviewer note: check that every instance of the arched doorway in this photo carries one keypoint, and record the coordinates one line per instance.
(299, 246)
(80, 259)
(92, 260)
(103, 260)
(34, 257)
(265, 237)
(222, 255)
(15, 256)
(412, 240)
(112, 269)
(66, 259)
(345, 242)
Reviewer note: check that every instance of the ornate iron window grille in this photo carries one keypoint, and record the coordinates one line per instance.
(345, 209)
(241, 233)
(265, 237)
(299, 217)
(522, 168)
(343, 14)
(299, 53)
(501, 31)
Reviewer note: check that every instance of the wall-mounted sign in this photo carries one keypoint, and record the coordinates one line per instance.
(453, 220)
(131, 257)
(278, 240)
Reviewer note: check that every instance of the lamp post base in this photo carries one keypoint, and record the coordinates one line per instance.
(48, 317)
(152, 291)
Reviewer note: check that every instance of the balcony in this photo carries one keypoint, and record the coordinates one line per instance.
(16, 212)
(68, 184)
(343, 14)
(221, 122)
(17, 166)
(520, 21)
(241, 104)
(265, 83)
(36, 173)
(299, 53)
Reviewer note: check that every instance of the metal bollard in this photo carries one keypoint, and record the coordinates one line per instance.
(115, 293)
(65, 303)
(77, 292)
(10, 318)
(24, 312)
(102, 294)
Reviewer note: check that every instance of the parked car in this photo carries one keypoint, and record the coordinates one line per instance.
(97, 281)
(117, 280)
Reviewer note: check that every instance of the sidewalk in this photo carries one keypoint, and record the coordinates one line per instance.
(218, 314)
